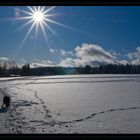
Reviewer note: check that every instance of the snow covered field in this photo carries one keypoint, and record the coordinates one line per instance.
(71, 104)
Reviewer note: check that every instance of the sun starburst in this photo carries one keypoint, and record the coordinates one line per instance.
(39, 18)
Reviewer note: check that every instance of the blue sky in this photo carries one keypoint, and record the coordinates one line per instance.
(97, 35)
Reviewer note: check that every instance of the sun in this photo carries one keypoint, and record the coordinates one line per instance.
(38, 17)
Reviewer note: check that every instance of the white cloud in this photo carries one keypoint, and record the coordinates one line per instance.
(86, 54)
(4, 59)
(135, 62)
(89, 54)
(92, 50)
(61, 52)
(114, 53)
(135, 56)
(53, 50)
(41, 63)
(124, 62)
(68, 62)
(22, 60)
(65, 53)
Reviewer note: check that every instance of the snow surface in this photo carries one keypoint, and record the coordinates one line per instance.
(71, 104)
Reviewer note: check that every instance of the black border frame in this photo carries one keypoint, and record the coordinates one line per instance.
(70, 3)
(69, 136)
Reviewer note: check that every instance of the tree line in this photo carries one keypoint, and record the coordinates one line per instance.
(110, 69)
(7, 70)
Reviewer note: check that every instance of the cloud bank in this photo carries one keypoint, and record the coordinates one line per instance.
(61, 52)
(89, 54)
(135, 56)
(86, 54)
(41, 63)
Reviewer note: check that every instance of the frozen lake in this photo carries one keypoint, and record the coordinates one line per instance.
(73, 104)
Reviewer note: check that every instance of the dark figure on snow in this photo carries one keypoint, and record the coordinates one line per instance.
(6, 101)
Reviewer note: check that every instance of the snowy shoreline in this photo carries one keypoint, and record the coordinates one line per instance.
(3, 116)
(71, 104)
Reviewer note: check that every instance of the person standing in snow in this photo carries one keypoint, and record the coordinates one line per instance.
(6, 101)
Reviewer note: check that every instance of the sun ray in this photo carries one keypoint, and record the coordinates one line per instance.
(16, 18)
(28, 33)
(42, 8)
(26, 12)
(22, 18)
(49, 9)
(58, 23)
(43, 30)
(66, 26)
(39, 16)
(37, 28)
(53, 32)
(52, 15)
(24, 25)
(36, 31)
(35, 8)
(25, 38)
(30, 8)
(49, 27)
(39, 8)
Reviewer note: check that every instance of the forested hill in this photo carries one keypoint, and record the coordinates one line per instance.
(26, 70)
